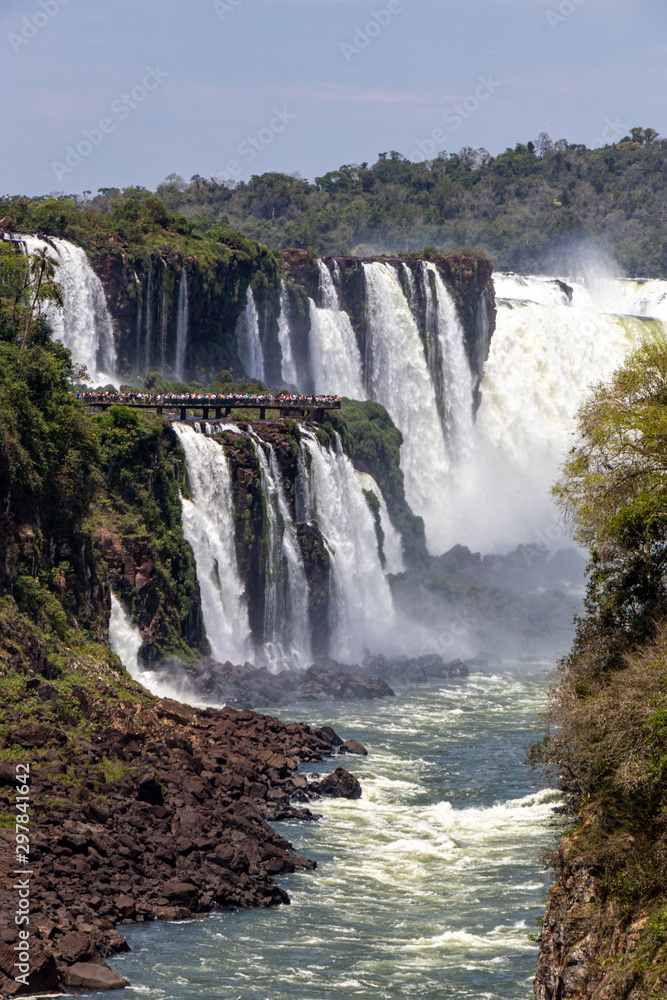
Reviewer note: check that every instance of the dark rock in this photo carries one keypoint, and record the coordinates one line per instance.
(91, 976)
(43, 976)
(353, 746)
(33, 735)
(76, 947)
(339, 785)
(150, 790)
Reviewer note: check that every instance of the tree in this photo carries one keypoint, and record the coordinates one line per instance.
(614, 488)
(41, 287)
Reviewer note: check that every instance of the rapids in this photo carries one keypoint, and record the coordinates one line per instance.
(428, 886)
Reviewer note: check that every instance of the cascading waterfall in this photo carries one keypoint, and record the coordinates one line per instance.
(288, 372)
(334, 352)
(83, 324)
(549, 347)
(361, 606)
(248, 339)
(392, 545)
(286, 642)
(397, 375)
(164, 322)
(138, 316)
(181, 327)
(149, 313)
(449, 366)
(208, 526)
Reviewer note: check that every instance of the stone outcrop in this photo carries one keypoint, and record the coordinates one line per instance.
(249, 687)
(161, 813)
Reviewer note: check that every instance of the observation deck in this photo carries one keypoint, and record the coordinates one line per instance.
(217, 407)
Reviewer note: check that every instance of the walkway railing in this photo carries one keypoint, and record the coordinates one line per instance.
(315, 407)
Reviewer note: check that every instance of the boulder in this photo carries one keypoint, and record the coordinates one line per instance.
(93, 976)
(353, 746)
(339, 785)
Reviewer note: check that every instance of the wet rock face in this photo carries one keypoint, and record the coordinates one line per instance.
(171, 820)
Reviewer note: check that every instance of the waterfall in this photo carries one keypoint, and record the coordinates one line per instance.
(392, 545)
(164, 322)
(149, 314)
(181, 327)
(335, 358)
(398, 377)
(137, 323)
(208, 525)
(553, 340)
(449, 367)
(248, 340)
(124, 639)
(288, 372)
(83, 324)
(286, 642)
(361, 606)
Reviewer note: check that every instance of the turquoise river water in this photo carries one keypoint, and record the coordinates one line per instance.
(428, 886)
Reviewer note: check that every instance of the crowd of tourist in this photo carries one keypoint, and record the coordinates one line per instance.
(263, 399)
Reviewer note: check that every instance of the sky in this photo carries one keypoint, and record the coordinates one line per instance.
(113, 93)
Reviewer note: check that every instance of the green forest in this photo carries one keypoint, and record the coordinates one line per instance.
(534, 208)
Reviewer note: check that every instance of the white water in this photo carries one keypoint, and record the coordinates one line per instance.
(208, 526)
(149, 313)
(397, 376)
(164, 322)
(450, 369)
(334, 353)
(248, 340)
(545, 354)
(182, 319)
(392, 546)
(286, 643)
(288, 372)
(83, 324)
(361, 604)
(426, 888)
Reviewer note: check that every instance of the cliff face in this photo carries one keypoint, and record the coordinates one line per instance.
(143, 287)
(592, 948)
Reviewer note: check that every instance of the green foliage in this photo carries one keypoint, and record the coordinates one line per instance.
(607, 748)
(522, 206)
(613, 489)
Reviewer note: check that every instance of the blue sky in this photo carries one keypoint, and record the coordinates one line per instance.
(101, 93)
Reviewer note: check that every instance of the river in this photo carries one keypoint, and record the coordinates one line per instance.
(429, 886)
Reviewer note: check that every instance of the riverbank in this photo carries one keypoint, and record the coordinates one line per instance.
(151, 811)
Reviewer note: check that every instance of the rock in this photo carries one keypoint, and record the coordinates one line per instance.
(43, 976)
(91, 976)
(8, 774)
(150, 790)
(32, 735)
(75, 947)
(353, 746)
(339, 785)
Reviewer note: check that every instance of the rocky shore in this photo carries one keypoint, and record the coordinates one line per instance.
(161, 812)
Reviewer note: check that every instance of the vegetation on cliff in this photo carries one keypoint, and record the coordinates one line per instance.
(86, 498)
(608, 745)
